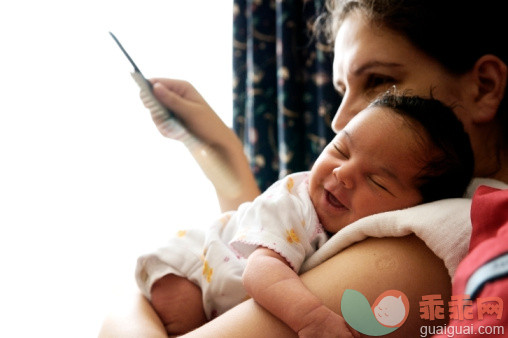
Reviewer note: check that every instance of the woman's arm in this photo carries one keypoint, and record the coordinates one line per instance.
(200, 119)
(131, 318)
(370, 267)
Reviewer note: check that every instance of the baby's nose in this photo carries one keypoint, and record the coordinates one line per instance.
(344, 177)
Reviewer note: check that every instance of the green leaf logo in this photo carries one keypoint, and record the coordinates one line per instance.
(387, 314)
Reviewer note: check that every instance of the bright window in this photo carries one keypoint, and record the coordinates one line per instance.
(86, 181)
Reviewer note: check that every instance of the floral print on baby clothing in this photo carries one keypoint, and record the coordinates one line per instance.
(282, 219)
(278, 220)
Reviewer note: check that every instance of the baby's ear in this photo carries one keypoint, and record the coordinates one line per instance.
(490, 77)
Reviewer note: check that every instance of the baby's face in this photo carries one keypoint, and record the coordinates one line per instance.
(369, 167)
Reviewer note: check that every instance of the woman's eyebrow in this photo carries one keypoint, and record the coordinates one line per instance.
(373, 64)
(339, 84)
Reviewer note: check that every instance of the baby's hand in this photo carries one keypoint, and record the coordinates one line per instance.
(323, 322)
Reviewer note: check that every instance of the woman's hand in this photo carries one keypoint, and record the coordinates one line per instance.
(199, 118)
(192, 110)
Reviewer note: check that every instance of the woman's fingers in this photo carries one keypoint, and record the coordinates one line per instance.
(174, 100)
(180, 87)
(188, 105)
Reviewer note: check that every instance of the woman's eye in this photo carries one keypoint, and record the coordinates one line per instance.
(376, 84)
(375, 81)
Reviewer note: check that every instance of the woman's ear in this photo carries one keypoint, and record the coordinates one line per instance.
(490, 76)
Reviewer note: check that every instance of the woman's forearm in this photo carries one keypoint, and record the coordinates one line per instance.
(246, 320)
(242, 186)
(132, 318)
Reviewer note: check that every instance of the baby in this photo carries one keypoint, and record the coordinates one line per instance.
(398, 152)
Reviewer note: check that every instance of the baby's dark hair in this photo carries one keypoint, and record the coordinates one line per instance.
(449, 156)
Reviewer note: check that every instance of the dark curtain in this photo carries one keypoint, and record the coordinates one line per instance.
(284, 99)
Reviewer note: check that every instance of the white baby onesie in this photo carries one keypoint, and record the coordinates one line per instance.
(282, 219)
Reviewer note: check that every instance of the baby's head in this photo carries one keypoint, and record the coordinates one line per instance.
(445, 149)
(398, 152)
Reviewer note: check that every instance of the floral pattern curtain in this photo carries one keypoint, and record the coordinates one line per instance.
(284, 98)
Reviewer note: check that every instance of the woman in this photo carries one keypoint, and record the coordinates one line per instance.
(448, 47)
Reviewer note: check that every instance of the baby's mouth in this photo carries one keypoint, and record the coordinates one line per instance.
(334, 201)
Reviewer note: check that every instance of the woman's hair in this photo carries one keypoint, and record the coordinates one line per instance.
(446, 149)
(456, 33)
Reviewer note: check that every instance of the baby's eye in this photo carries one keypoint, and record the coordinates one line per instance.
(341, 152)
(378, 184)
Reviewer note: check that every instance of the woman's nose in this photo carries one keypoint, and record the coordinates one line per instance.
(343, 175)
(349, 107)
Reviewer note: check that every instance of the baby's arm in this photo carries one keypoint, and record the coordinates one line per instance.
(272, 283)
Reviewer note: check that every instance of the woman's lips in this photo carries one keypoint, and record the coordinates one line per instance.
(333, 201)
